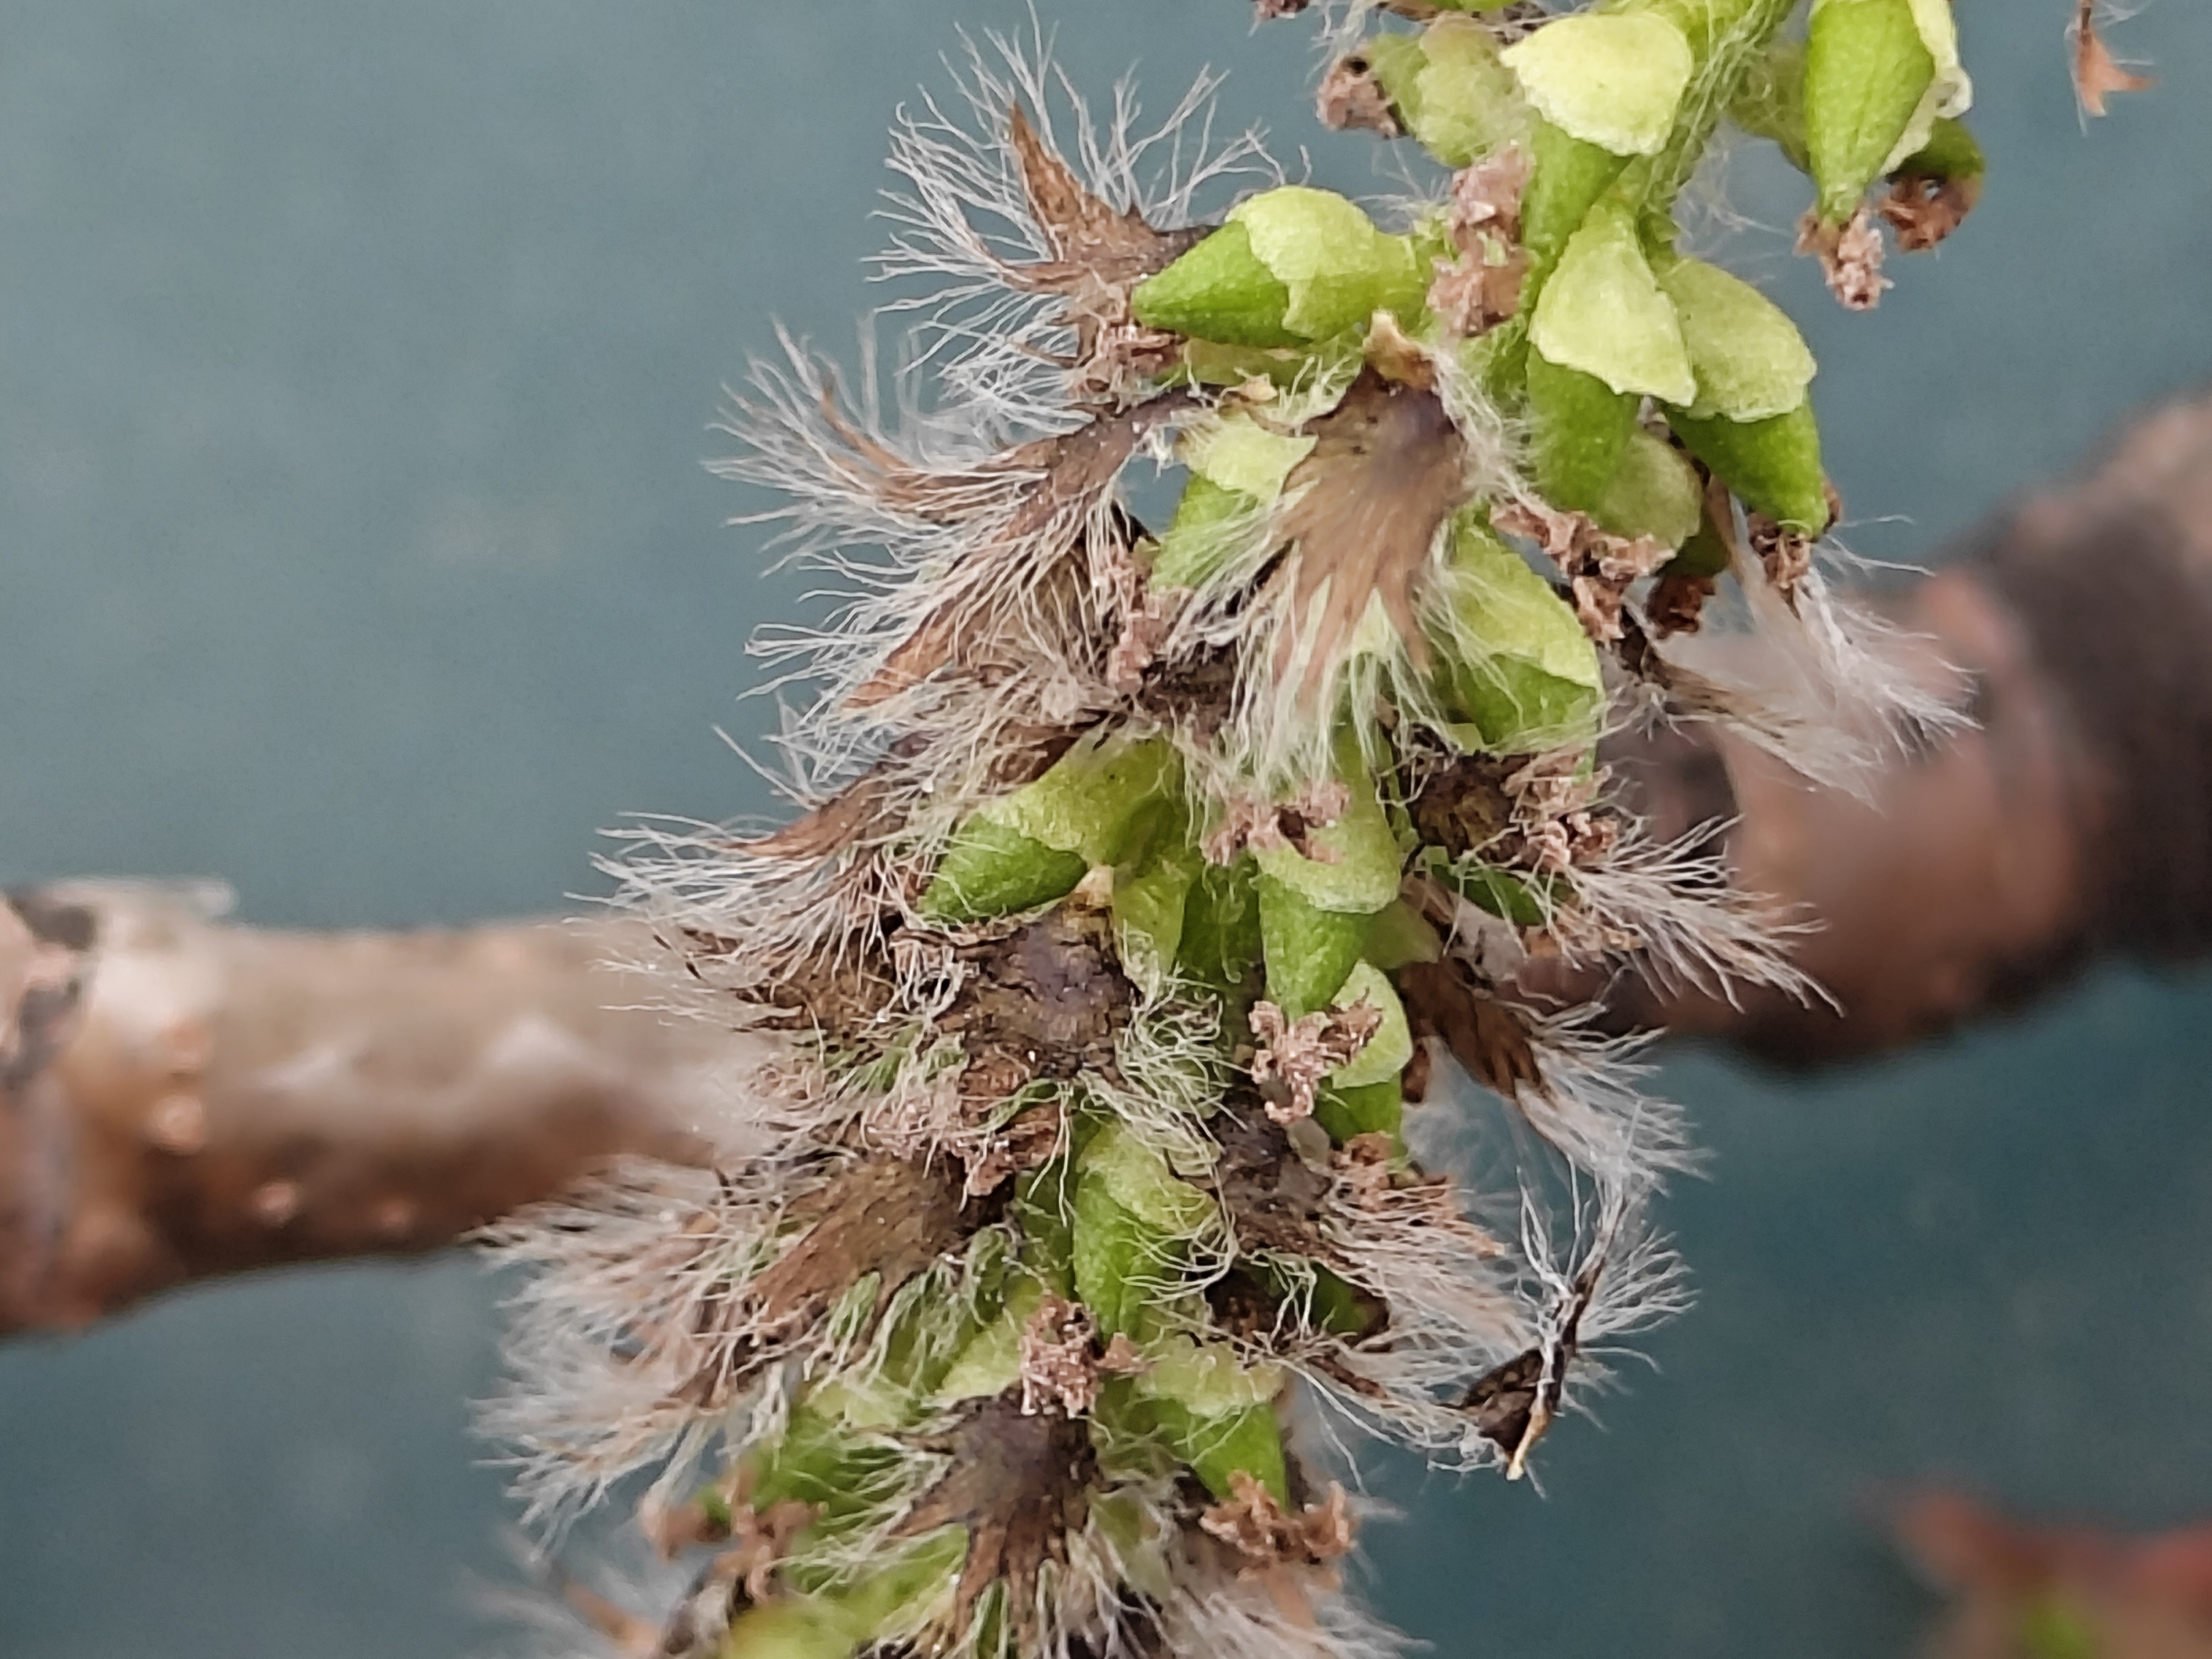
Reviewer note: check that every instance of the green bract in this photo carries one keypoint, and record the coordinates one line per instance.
(1749, 358)
(1356, 872)
(1603, 313)
(1578, 427)
(1292, 264)
(991, 870)
(1773, 465)
(1450, 88)
(1089, 801)
(1520, 664)
(1613, 80)
(1869, 74)
(1655, 492)
(1308, 951)
(1390, 1047)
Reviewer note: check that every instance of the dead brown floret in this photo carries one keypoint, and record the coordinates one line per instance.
(1849, 256)
(1258, 1527)
(1295, 1056)
(1020, 1483)
(1352, 99)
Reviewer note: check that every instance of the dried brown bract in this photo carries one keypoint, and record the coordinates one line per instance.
(1100, 253)
(1059, 1359)
(1264, 826)
(1600, 566)
(1849, 256)
(1260, 1529)
(1021, 1483)
(2097, 73)
(1677, 603)
(1786, 555)
(1482, 287)
(1294, 1055)
(1351, 98)
(1387, 469)
(1922, 209)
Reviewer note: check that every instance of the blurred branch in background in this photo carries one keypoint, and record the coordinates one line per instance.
(181, 1098)
(2026, 1592)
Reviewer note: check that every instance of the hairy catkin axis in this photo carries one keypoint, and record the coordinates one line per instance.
(1148, 867)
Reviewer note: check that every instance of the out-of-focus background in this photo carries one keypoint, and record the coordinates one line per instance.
(356, 366)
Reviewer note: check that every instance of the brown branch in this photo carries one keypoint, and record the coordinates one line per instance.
(2075, 823)
(180, 1098)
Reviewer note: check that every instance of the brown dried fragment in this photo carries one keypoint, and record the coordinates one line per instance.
(1265, 9)
(1482, 287)
(1275, 1198)
(1492, 1039)
(1513, 1406)
(1268, 1535)
(1351, 98)
(2097, 73)
(1921, 209)
(1849, 256)
(1371, 1181)
(1785, 554)
(1264, 826)
(45, 949)
(1100, 253)
(1059, 1359)
(1029, 1141)
(1366, 506)
(1071, 474)
(1677, 603)
(1021, 1483)
(1600, 566)
(1294, 1055)
(1147, 616)
(885, 1216)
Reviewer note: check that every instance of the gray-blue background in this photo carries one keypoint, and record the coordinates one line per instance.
(354, 367)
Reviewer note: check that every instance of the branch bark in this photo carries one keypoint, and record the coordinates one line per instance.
(180, 1097)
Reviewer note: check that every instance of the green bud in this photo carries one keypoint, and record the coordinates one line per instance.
(1148, 916)
(1450, 88)
(1773, 465)
(1501, 893)
(1603, 313)
(1093, 797)
(1220, 291)
(1578, 427)
(1357, 871)
(1309, 950)
(1133, 1218)
(1655, 492)
(1221, 939)
(811, 1629)
(1391, 1046)
(989, 870)
(1521, 666)
(1867, 70)
(1566, 175)
(1217, 1414)
(1611, 79)
(1292, 264)
(1749, 358)
(1371, 1108)
(1705, 554)
(1398, 935)
(1950, 153)
(1238, 467)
